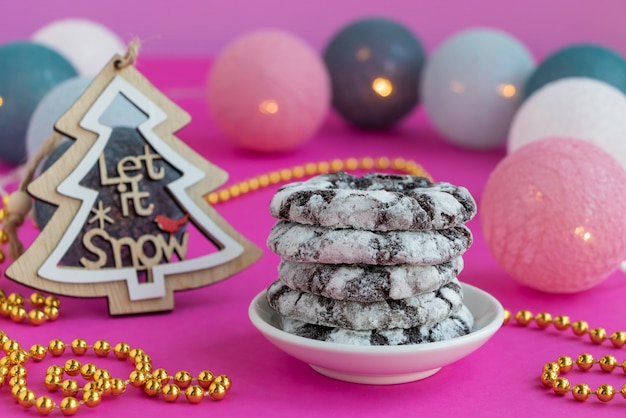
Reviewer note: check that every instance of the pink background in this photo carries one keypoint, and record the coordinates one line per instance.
(197, 27)
(209, 327)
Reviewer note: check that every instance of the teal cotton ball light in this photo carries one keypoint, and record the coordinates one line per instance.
(27, 72)
(583, 60)
(375, 66)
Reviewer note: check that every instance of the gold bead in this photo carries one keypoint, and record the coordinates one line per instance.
(36, 317)
(101, 348)
(79, 346)
(170, 392)
(310, 169)
(285, 174)
(144, 367)
(224, 381)
(253, 184)
(38, 352)
(298, 171)
(118, 386)
(18, 371)
(5, 308)
(543, 320)
(152, 387)
(52, 301)
(547, 378)
(584, 361)
(605, 393)
(140, 358)
(234, 190)
(92, 398)
(323, 167)
(217, 391)
(44, 405)
(607, 363)
(161, 375)
(56, 347)
(54, 370)
(18, 313)
(19, 356)
(69, 406)
(205, 378)
(194, 394)
(137, 378)
(561, 322)
(597, 335)
(623, 391)
(52, 312)
(183, 379)
(336, 165)
(37, 300)
(524, 317)
(580, 328)
(264, 180)
(17, 381)
(352, 164)
(274, 177)
(26, 398)
(551, 367)
(52, 382)
(104, 386)
(618, 339)
(382, 163)
(69, 387)
(4, 237)
(4, 370)
(244, 187)
(10, 345)
(581, 392)
(15, 299)
(367, 163)
(91, 386)
(101, 374)
(507, 317)
(16, 391)
(72, 367)
(121, 351)
(213, 198)
(398, 164)
(565, 363)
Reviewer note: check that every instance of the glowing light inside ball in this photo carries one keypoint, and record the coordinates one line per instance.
(382, 86)
(552, 215)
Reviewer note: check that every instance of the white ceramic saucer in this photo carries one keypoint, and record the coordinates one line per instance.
(382, 365)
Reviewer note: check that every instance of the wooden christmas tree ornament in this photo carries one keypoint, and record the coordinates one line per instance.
(131, 246)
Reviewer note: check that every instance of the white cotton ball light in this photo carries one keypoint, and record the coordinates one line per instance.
(581, 108)
(86, 44)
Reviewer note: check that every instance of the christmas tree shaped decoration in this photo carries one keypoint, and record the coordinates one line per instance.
(124, 239)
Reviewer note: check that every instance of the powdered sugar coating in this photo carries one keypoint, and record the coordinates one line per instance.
(374, 202)
(316, 244)
(367, 283)
(458, 324)
(424, 309)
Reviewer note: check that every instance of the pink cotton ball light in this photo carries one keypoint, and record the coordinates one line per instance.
(552, 214)
(269, 91)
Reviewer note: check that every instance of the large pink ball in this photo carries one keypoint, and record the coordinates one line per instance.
(552, 214)
(269, 91)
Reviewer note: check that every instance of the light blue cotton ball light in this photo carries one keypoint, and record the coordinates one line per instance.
(473, 84)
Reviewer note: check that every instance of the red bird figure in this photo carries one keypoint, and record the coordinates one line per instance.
(166, 224)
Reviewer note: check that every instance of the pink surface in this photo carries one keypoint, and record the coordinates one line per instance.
(202, 27)
(210, 328)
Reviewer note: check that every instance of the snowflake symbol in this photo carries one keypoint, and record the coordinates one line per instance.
(100, 215)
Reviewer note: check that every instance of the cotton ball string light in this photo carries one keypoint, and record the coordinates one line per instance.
(27, 72)
(121, 112)
(584, 60)
(472, 86)
(581, 108)
(552, 215)
(375, 66)
(269, 91)
(86, 44)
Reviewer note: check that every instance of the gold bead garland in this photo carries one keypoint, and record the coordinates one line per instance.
(552, 371)
(100, 383)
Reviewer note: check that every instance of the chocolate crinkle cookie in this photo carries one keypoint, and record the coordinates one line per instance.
(374, 202)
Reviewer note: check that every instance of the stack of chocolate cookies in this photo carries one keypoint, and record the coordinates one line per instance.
(371, 260)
